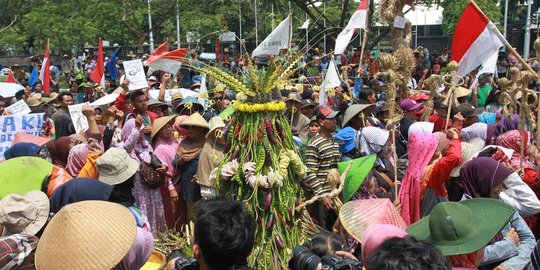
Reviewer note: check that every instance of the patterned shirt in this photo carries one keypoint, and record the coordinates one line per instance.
(322, 154)
(17, 251)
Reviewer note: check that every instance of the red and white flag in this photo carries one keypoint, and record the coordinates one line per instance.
(167, 61)
(10, 78)
(98, 74)
(44, 73)
(162, 49)
(476, 39)
(358, 20)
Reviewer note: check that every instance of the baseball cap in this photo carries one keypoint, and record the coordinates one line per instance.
(326, 113)
(468, 110)
(307, 103)
(410, 105)
(152, 78)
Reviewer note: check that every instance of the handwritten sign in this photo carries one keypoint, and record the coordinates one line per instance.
(19, 107)
(77, 117)
(135, 74)
(10, 125)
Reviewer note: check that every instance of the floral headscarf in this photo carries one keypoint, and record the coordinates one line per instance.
(512, 139)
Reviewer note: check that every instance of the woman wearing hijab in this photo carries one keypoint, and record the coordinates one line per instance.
(483, 177)
(505, 124)
(512, 140)
(165, 146)
(22, 149)
(422, 146)
(59, 150)
(187, 159)
(438, 171)
(211, 155)
(478, 130)
(139, 253)
(80, 189)
(148, 198)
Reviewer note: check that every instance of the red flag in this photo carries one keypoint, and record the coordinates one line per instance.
(10, 78)
(44, 74)
(168, 61)
(476, 38)
(218, 50)
(161, 50)
(98, 73)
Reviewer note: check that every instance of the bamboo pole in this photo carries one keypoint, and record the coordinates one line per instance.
(364, 41)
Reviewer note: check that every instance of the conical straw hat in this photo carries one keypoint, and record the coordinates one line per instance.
(88, 235)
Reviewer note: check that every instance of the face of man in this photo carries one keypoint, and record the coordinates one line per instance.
(329, 124)
(66, 101)
(157, 110)
(38, 88)
(140, 103)
(371, 99)
(308, 111)
(218, 101)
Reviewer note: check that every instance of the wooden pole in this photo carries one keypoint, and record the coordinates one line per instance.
(538, 122)
(364, 41)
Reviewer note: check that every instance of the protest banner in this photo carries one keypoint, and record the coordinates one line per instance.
(154, 94)
(19, 107)
(77, 117)
(135, 74)
(10, 125)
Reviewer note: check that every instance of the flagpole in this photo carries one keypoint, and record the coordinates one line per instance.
(151, 35)
(290, 32)
(307, 34)
(256, 28)
(527, 32)
(324, 24)
(177, 26)
(505, 16)
(240, 25)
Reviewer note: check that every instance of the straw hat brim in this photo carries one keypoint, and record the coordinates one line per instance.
(160, 123)
(355, 216)
(492, 215)
(355, 109)
(133, 167)
(23, 174)
(86, 235)
(195, 120)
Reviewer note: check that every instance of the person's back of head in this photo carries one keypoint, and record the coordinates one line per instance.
(224, 234)
(407, 253)
(324, 243)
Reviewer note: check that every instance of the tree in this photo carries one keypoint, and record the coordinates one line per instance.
(453, 10)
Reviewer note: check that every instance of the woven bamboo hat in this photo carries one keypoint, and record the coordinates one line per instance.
(195, 120)
(357, 215)
(160, 123)
(88, 235)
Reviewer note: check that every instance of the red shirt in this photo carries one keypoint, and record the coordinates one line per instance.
(443, 168)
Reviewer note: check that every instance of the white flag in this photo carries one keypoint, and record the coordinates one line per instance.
(305, 25)
(489, 66)
(331, 80)
(358, 20)
(277, 40)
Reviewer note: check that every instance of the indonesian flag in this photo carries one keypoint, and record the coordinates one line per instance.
(10, 78)
(358, 20)
(44, 73)
(476, 40)
(98, 74)
(162, 59)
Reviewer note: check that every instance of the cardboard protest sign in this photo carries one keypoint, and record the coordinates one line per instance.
(19, 107)
(135, 74)
(10, 125)
(77, 117)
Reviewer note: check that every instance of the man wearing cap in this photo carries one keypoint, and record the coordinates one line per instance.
(176, 98)
(153, 83)
(469, 113)
(410, 109)
(300, 122)
(308, 108)
(322, 155)
(378, 87)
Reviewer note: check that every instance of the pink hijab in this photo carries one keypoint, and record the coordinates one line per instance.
(165, 150)
(376, 234)
(77, 159)
(421, 148)
(140, 251)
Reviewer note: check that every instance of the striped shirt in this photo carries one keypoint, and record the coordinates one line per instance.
(322, 154)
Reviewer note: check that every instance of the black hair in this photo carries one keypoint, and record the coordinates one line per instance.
(324, 243)
(407, 253)
(62, 95)
(365, 93)
(135, 94)
(2, 99)
(225, 232)
(19, 95)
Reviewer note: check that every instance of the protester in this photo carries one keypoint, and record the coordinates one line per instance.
(299, 122)
(62, 119)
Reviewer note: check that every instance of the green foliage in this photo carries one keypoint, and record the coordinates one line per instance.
(453, 10)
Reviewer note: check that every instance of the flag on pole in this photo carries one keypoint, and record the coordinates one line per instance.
(331, 80)
(167, 61)
(44, 73)
(476, 39)
(162, 49)
(98, 74)
(358, 20)
(277, 40)
(111, 65)
(33, 77)
(305, 25)
(218, 50)
(10, 78)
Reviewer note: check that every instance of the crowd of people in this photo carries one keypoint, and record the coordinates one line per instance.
(463, 186)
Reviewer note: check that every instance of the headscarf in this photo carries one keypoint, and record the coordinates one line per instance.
(22, 149)
(140, 251)
(122, 193)
(77, 159)
(129, 125)
(476, 130)
(80, 189)
(480, 175)
(59, 150)
(165, 150)
(372, 140)
(421, 148)
(507, 124)
(376, 234)
(512, 140)
(346, 138)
